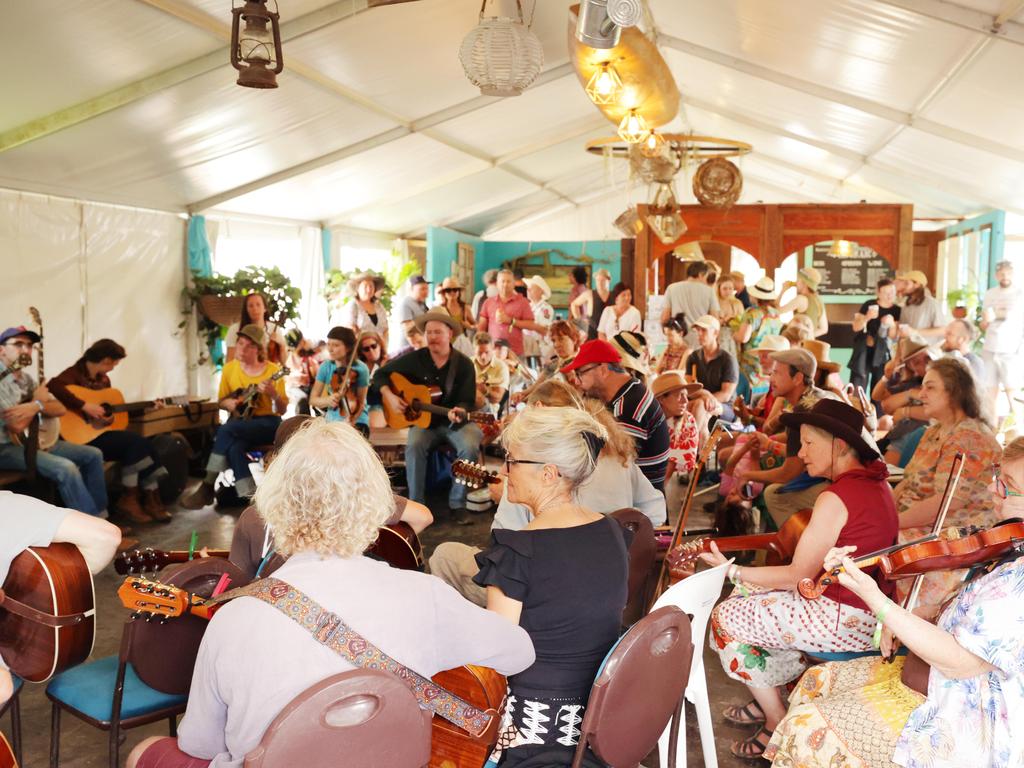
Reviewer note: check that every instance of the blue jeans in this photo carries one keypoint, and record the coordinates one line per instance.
(466, 442)
(234, 440)
(76, 470)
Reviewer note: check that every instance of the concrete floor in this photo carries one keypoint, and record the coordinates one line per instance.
(85, 747)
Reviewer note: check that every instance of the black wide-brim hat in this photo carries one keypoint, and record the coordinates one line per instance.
(839, 419)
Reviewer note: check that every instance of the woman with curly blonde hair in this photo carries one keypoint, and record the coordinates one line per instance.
(325, 495)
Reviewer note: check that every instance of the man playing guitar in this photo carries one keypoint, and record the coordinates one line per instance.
(77, 470)
(250, 369)
(341, 382)
(452, 372)
(322, 526)
(28, 522)
(140, 465)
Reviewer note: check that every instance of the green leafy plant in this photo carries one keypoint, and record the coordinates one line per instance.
(966, 297)
(395, 270)
(281, 296)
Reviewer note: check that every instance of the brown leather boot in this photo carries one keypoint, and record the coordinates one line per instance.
(153, 505)
(128, 505)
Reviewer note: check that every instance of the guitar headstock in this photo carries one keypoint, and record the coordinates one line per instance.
(36, 317)
(153, 599)
(681, 560)
(472, 474)
(140, 561)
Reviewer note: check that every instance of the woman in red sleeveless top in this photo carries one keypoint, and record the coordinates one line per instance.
(764, 628)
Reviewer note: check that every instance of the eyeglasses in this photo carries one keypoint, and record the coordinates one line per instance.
(19, 344)
(369, 347)
(509, 461)
(1002, 489)
(581, 371)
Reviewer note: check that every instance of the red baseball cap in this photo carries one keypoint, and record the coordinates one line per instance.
(596, 351)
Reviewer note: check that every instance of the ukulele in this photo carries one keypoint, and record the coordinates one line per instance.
(47, 612)
(451, 747)
(396, 544)
(247, 396)
(49, 426)
(81, 429)
(420, 399)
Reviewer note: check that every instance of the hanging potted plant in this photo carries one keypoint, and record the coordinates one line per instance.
(396, 270)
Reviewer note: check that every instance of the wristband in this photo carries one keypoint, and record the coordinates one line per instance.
(880, 614)
(40, 404)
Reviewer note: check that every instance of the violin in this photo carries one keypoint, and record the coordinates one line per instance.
(342, 382)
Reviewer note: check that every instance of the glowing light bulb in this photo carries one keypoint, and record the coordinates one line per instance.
(633, 128)
(605, 85)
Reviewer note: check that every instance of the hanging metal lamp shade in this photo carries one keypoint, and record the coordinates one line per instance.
(500, 55)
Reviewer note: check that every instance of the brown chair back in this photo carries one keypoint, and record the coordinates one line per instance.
(642, 550)
(363, 717)
(639, 690)
(164, 654)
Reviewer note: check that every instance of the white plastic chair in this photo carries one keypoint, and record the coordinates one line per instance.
(696, 596)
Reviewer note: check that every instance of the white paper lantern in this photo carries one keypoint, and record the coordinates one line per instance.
(500, 55)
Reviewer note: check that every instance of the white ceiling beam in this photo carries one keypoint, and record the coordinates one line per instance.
(581, 129)
(1000, 27)
(168, 78)
(842, 97)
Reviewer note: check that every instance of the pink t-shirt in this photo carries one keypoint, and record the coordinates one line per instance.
(517, 307)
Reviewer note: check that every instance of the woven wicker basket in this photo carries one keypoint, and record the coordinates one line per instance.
(223, 310)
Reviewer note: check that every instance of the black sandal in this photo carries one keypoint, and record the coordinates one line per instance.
(744, 714)
(752, 748)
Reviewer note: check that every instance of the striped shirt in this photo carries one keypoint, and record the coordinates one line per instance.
(640, 414)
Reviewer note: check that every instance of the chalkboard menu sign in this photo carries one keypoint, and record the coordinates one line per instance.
(853, 275)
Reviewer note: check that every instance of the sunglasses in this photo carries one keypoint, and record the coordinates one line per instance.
(369, 347)
(1002, 489)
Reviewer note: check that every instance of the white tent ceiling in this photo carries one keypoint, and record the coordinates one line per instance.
(375, 126)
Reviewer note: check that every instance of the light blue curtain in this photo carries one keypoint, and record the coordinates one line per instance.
(199, 251)
(325, 240)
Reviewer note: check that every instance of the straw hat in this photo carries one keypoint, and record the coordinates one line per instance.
(821, 351)
(631, 347)
(451, 283)
(763, 289)
(911, 347)
(669, 381)
(541, 283)
(440, 315)
(914, 275)
(811, 276)
(379, 282)
(773, 343)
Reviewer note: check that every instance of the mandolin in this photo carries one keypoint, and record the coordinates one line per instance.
(474, 475)
(420, 399)
(81, 429)
(451, 747)
(247, 396)
(396, 544)
(47, 612)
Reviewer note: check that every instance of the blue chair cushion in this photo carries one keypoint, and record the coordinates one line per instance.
(89, 689)
(849, 655)
(18, 682)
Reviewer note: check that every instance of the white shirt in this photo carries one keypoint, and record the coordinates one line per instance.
(610, 324)
(1003, 335)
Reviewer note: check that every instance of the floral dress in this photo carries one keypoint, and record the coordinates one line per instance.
(926, 476)
(858, 714)
(764, 321)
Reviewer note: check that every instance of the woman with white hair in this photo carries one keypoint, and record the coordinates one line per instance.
(325, 495)
(563, 578)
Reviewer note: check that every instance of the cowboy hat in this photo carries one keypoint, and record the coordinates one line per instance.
(773, 343)
(451, 284)
(911, 347)
(763, 289)
(541, 283)
(839, 419)
(353, 282)
(631, 348)
(669, 381)
(440, 315)
(820, 350)
(811, 276)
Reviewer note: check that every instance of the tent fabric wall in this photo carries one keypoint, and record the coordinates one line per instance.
(98, 271)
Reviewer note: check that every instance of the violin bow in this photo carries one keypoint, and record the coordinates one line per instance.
(956, 470)
(343, 389)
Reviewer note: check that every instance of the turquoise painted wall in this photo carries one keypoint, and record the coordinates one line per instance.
(443, 249)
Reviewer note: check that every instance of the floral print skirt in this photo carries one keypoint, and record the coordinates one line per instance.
(762, 637)
(844, 715)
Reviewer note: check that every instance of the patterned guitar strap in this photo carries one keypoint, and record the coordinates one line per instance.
(329, 630)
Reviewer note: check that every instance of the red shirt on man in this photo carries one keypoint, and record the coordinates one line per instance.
(518, 308)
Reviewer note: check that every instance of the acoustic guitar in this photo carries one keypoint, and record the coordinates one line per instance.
(81, 429)
(47, 612)
(6, 754)
(397, 544)
(451, 747)
(421, 401)
(779, 546)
